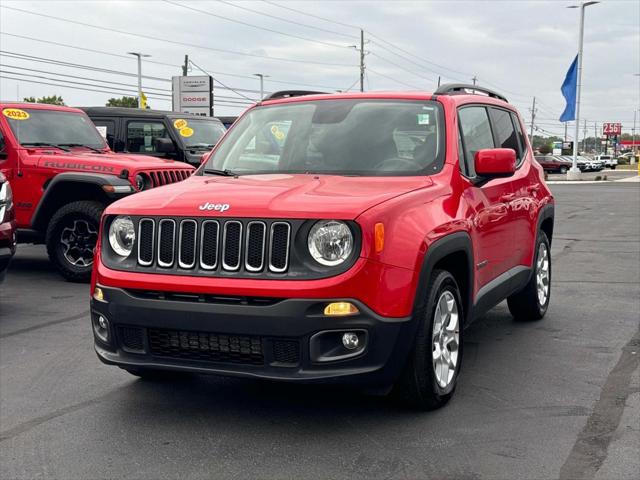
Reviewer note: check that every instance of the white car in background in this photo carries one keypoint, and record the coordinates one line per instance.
(609, 161)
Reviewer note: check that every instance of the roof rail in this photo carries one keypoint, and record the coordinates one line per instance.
(461, 89)
(291, 93)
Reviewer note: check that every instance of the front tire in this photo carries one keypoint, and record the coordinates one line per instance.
(71, 238)
(532, 301)
(429, 379)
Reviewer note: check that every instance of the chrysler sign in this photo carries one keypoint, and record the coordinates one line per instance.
(193, 95)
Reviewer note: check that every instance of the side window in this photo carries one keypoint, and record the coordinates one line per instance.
(521, 137)
(141, 135)
(476, 133)
(505, 131)
(107, 129)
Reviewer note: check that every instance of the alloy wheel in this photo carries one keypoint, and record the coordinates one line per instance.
(445, 339)
(542, 274)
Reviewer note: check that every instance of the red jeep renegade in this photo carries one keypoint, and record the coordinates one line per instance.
(63, 174)
(342, 238)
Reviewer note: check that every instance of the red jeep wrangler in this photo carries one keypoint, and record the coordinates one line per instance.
(63, 175)
(343, 238)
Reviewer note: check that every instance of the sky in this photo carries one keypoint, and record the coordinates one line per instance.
(519, 48)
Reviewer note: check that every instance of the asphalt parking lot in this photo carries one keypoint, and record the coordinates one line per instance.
(555, 399)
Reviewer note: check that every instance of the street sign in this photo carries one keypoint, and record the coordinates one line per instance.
(193, 95)
(612, 129)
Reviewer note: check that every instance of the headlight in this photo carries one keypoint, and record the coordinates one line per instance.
(143, 182)
(122, 236)
(330, 242)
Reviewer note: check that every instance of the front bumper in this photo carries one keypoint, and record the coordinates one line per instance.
(272, 339)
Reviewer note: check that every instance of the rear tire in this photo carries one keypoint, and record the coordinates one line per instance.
(431, 373)
(563, 170)
(71, 238)
(532, 301)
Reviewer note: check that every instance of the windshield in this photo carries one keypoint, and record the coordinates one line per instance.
(344, 137)
(198, 133)
(53, 127)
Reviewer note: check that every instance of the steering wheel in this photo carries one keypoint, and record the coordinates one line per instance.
(406, 164)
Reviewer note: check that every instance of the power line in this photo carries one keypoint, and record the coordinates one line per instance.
(384, 59)
(111, 92)
(306, 25)
(174, 42)
(311, 15)
(155, 62)
(218, 81)
(211, 14)
(394, 79)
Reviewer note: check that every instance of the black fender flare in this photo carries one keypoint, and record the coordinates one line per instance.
(457, 242)
(545, 212)
(64, 182)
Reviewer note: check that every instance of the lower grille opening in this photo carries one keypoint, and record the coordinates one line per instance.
(206, 346)
(132, 338)
(286, 352)
(202, 298)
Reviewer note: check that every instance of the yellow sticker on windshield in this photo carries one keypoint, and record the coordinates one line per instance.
(279, 135)
(186, 131)
(274, 129)
(15, 114)
(180, 123)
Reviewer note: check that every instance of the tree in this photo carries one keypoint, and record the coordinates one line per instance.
(52, 100)
(545, 149)
(128, 102)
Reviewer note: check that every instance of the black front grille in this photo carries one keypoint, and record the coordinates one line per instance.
(231, 245)
(205, 346)
(222, 245)
(166, 241)
(286, 351)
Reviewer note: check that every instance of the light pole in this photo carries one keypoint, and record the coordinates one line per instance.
(139, 55)
(574, 171)
(261, 77)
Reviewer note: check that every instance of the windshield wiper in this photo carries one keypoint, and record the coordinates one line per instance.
(44, 144)
(224, 173)
(97, 150)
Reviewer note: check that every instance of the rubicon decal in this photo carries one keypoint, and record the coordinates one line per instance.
(79, 166)
(218, 207)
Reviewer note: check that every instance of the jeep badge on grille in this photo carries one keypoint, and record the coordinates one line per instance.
(218, 207)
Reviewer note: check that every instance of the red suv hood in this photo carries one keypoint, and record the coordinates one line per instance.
(269, 196)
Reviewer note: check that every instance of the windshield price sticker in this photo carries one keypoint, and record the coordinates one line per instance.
(180, 123)
(423, 119)
(15, 114)
(186, 132)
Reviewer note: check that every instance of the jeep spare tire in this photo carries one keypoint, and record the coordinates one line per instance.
(71, 239)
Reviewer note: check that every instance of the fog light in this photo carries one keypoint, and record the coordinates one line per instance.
(350, 340)
(98, 294)
(340, 309)
(101, 328)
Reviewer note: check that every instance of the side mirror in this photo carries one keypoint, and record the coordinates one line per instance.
(164, 145)
(495, 163)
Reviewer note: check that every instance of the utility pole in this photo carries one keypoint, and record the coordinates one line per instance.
(474, 79)
(584, 138)
(185, 67)
(633, 134)
(596, 140)
(362, 60)
(139, 55)
(438, 81)
(533, 118)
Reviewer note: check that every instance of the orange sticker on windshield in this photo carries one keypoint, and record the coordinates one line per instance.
(15, 114)
(186, 131)
(180, 123)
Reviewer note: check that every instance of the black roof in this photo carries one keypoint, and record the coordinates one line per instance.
(138, 112)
